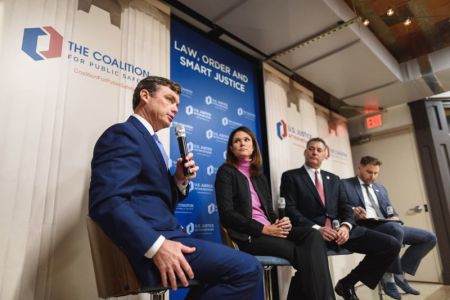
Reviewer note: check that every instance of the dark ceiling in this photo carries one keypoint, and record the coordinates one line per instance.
(428, 31)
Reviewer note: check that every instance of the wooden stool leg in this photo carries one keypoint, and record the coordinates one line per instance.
(380, 291)
(158, 296)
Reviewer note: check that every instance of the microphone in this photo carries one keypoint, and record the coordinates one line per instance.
(281, 208)
(181, 138)
(336, 224)
(389, 211)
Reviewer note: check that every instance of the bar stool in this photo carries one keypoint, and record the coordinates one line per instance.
(113, 273)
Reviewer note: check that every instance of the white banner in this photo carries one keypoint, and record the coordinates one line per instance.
(292, 119)
(68, 71)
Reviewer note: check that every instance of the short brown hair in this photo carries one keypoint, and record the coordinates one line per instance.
(232, 160)
(152, 83)
(370, 160)
(316, 139)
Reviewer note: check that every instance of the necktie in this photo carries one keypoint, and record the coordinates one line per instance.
(319, 187)
(373, 202)
(321, 192)
(161, 149)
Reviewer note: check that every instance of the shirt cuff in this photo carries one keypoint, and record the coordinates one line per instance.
(155, 247)
(317, 227)
(348, 224)
(182, 187)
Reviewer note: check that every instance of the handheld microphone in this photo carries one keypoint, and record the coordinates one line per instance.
(336, 224)
(281, 208)
(181, 138)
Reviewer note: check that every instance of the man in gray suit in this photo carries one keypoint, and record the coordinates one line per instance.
(370, 201)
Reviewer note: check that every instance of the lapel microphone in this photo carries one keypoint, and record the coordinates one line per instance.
(180, 133)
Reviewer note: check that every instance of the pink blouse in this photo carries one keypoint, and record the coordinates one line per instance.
(257, 210)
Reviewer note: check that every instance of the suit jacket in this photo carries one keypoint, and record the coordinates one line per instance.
(355, 196)
(303, 204)
(235, 203)
(132, 195)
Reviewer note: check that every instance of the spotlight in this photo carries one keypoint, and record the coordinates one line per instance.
(366, 22)
(407, 22)
(390, 12)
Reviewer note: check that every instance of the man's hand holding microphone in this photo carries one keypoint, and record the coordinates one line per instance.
(186, 168)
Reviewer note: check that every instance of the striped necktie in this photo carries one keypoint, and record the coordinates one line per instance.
(373, 202)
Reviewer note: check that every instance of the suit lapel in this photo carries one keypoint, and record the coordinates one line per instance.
(358, 191)
(326, 186)
(155, 154)
(305, 176)
(154, 149)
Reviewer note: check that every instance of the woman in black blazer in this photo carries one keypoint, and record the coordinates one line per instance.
(245, 209)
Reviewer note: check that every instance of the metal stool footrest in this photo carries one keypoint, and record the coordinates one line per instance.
(268, 262)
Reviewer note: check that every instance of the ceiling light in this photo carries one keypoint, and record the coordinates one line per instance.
(366, 22)
(407, 22)
(390, 12)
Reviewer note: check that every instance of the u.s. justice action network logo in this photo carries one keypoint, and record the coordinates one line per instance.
(30, 42)
(281, 129)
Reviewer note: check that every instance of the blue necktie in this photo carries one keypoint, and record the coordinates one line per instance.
(161, 149)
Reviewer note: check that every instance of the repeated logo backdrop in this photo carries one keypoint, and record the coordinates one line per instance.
(219, 94)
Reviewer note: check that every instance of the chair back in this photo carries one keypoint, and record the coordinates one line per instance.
(226, 239)
(113, 273)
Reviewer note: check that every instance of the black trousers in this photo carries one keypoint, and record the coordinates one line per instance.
(305, 249)
(380, 250)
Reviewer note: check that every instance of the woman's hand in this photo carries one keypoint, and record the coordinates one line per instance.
(279, 229)
(284, 223)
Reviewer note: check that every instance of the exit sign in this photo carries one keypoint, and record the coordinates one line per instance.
(374, 121)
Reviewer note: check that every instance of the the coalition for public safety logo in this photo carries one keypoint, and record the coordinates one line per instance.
(281, 130)
(30, 42)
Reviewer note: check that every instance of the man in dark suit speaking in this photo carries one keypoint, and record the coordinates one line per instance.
(317, 198)
(133, 196)
(369, 200)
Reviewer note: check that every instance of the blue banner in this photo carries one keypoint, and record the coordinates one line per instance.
(219, 94)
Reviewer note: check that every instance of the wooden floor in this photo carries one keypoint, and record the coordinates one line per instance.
(427, 292)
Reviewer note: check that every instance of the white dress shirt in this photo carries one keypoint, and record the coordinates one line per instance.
(370, 210)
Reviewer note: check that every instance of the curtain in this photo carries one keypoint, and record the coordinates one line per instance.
(54, 106)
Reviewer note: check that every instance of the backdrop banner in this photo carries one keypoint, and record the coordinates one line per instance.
(69, 69)
(292, 119)
(219, 94)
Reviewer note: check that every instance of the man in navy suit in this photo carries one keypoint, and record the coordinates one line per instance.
(369, 200)
(133, 196)
(316, 198)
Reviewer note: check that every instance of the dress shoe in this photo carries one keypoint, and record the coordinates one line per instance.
(390, 289)
(404, 285)
(346, 292)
